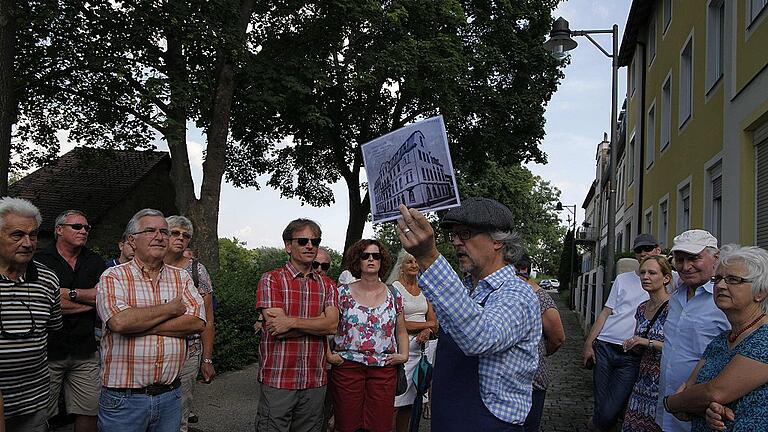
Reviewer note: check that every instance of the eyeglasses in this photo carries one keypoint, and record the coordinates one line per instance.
(729, 280)
(368, 255)
(464, 234)
(23, 335)
(324, 266)
(177, 233)
(302, 241)
(78, 226)
(153, 231)
(646, 248)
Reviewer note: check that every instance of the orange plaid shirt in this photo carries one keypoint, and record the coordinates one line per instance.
(139, 361)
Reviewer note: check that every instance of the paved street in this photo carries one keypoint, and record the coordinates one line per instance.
(229, 404)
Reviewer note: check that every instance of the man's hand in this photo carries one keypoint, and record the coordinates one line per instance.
(417, 236)
(208, 372)
(717, 414)
(277, 323)
(587, 355)
(177, 307)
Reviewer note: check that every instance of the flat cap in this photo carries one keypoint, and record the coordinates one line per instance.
(482, 213)
(644, 240)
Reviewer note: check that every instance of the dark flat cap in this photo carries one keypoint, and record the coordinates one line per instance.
(481, 213)
(644, 240)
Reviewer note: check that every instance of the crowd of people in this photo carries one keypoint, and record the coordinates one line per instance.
(122, 342)
(683, 350)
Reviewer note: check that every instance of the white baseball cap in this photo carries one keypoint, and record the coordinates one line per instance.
(694, 241)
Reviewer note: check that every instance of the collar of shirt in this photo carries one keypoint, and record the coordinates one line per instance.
(139, 266)
(490, 283)
(296, 273)
(708, 287)
(30, 274)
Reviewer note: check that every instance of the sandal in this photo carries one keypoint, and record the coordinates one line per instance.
(427, 411)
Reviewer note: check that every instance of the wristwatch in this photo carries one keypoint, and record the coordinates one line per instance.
(207, 360)
(73, 294)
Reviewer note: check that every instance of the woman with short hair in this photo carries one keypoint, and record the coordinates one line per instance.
(370, 341)
(728, 389)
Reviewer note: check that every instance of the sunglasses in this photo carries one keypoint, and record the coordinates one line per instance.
(368, 255)
(177, 233)
(302, 241)
(78, 226)
(324, 266)
(646, 248)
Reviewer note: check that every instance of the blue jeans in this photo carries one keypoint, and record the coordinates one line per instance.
(126, 412)
(615, 374)
(533, 421)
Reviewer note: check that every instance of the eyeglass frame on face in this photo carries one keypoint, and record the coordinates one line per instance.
(644, 248)
(303, 241)
(177, 233)
(165, 232)
(734, 280)
(463, 234)
(324, 266)
(77, 226)
(365, 256)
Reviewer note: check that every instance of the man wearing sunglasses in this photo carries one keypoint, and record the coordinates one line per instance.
(29, 310)
(72, 352)
(693, 319)
(615, 370)
(490, 323)
(300, 307)
(322, 262)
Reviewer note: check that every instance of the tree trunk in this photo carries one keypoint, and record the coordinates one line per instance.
(358, 213)
(7, 97)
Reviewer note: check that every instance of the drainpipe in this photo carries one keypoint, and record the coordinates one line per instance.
(641, 171)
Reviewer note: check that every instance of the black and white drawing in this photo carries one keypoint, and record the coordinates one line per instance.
(410, 166)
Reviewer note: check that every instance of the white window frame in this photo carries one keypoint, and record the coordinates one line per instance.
(755, 10)
(665, 134)
(663, 223)
(648, 220)
(651, 40)
(715, 62)
(650, 135)
(682, 188)
(666, 17)
(685, 83)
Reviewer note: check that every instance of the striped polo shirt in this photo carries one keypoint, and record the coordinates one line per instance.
(29, 309)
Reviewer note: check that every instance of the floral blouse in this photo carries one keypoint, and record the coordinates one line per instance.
(367, 334)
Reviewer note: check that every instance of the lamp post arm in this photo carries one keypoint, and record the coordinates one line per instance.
(594, 42)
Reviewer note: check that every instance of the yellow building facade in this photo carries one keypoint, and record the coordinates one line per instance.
(696, 121)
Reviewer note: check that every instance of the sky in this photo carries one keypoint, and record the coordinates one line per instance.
(576, 118)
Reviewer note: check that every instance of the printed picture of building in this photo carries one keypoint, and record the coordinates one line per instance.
(413, 176)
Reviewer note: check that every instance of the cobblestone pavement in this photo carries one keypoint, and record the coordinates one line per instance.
(568, 405)
(229, 403)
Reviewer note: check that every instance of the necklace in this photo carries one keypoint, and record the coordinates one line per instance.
(732, 338)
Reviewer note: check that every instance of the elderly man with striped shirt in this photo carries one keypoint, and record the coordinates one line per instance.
(29, 309)
(148, 309)
(490, 324)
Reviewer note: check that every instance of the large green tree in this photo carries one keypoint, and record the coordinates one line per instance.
(354, 70)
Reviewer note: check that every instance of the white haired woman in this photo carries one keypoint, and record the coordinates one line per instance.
(421, 324)
(728, 389)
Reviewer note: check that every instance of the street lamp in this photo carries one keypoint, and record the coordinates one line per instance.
(561, 207)
(560, 41)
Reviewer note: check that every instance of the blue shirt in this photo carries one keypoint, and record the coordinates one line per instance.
(691, 325)
(751, 410)
(504, 334)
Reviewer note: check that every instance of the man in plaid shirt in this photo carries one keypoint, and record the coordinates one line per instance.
(300, 307)
(147, 309)
(490, 324)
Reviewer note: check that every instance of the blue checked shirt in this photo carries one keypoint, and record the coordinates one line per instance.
(504, 334)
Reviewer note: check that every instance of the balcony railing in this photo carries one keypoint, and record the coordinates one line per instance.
(587, 234)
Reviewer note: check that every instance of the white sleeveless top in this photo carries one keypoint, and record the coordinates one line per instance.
(414, 307)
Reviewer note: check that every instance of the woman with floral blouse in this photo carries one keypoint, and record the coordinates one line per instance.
(370, 341)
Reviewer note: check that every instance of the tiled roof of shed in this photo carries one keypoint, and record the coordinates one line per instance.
(87, 179)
